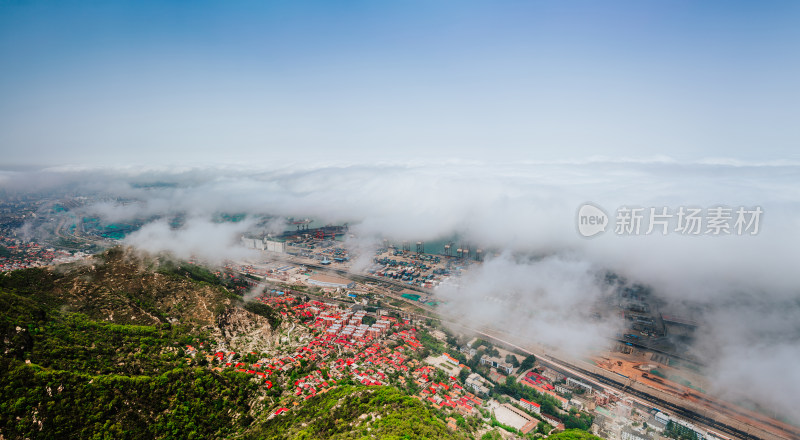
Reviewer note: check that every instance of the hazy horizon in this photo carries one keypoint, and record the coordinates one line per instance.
(234, 82)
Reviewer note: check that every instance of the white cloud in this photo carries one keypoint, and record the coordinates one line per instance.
(526, 209)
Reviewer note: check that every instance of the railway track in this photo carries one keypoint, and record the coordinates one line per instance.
(702, 417)
(677, 410)
(741, 431)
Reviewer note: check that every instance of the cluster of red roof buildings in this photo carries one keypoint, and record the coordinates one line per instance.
(342, 347)
(351, 325)
(26, 255)
(446, 395)
(540, 384)
(365, 359)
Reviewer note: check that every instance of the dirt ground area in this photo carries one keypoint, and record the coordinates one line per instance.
(641, 369)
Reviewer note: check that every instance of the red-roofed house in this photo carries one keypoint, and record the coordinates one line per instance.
(531, 406)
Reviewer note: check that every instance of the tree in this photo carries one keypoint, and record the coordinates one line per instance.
(511, 359)
(573, 434)
(678, 431)
(527, 363)
(478, 342)
(492, 435)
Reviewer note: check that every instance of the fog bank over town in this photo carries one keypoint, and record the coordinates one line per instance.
(541, 279)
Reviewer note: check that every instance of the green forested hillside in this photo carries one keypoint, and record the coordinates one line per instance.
(100, 351)
(574, 434)
(64, 375)
(180, 403)
(357, 412)
(88, 353)
(125, 287)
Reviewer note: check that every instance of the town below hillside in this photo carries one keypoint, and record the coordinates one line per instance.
(127, 345)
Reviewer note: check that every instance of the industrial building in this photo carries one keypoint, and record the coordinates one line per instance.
(264, 244)
(578, 384)
(252, 243)
(274, 246)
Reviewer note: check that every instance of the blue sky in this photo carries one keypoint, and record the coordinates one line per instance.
(243, 82)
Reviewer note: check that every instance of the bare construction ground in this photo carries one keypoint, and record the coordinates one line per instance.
(690, 388)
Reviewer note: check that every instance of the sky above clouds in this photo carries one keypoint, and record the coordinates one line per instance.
(265, 82)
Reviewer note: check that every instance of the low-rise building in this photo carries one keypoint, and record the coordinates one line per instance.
(562, 402)
(553, 421)
(530, 426)
(661, 418)
(561, 388)
(629, 433)
(530, 406)
(552, 375)
(477, 383)
(497, 363)
(468, 351)
(683, 428)
(450, 359)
